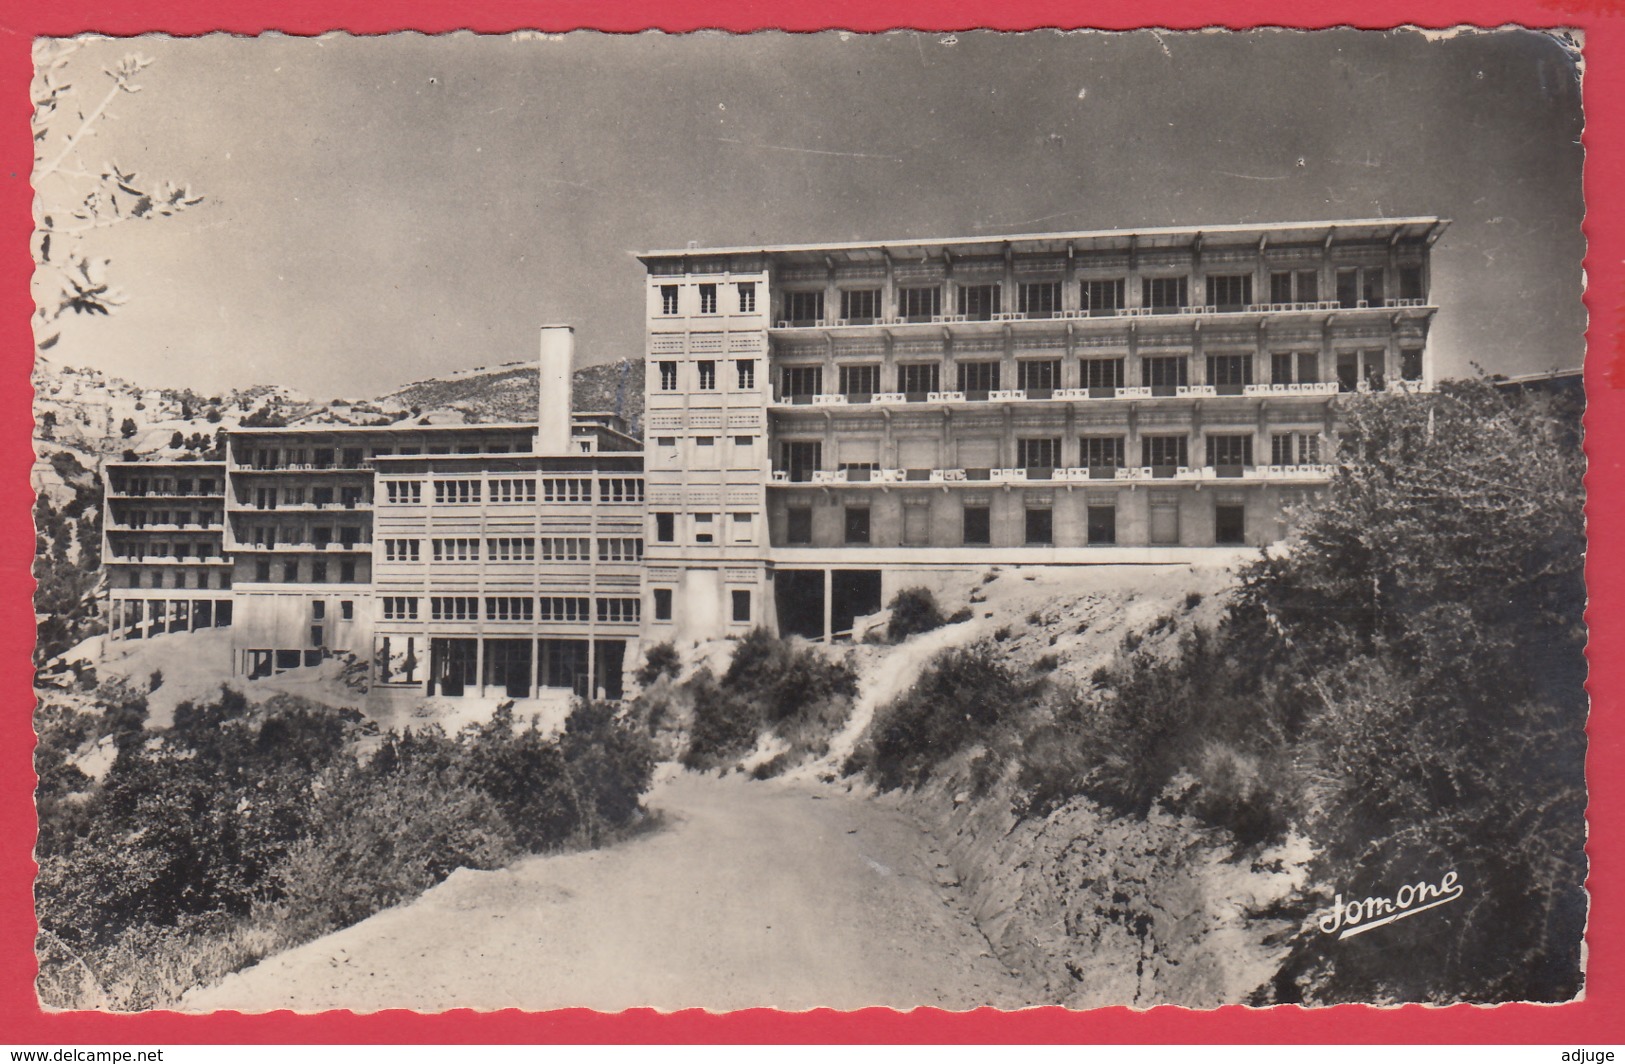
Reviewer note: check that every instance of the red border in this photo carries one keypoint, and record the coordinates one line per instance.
(1597, 1019)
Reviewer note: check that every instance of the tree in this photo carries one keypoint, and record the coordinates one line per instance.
(47, 423)
(127, 427)
(74, 197)
(177, 440)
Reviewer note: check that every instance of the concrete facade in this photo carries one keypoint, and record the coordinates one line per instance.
(1063, 397)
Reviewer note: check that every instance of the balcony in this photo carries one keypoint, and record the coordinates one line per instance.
(1067, 395)
(1042, 321)
(1056, 474)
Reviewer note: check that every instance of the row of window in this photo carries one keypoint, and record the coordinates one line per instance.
(1169, 294)
(357, 458)
(182, 518)
(167, 486)
(177, 578)
(163, 549)
(320, 572)
(517, 489)
(512, 608)
(738, 600)
(1038, 525)
(744, 297)
(705, 375)
(801, 458)
(516, 549)
(705, 527)
(916, 379)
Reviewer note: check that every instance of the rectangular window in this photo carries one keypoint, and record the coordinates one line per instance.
(1281, 368)
(318, 572)
(662, 597)
(804, 308)
(801, 382)
(619, 610)
(747, 297)
(1164, 453)
(798, 525)
(708, 375)
(620, 549)
(513, 490)
(621, 489)
(1356, 369)
(668, 299)
(1040, 527)
(979, 302)
(1348, 288)
(456, 491)
(976, 379)
(918, 379)
(563, 548)
(1294, 286)
(1164, 295)
(1410, 364)
(978, 528)
(801, 458)
(859, 380)
(668, 376)
(1042, 454)
(1410, 283)
(1230, 374)
(704, 528)
(1104, 453)
(919, 304)
(1165, 373)
(1372, 289)
(290, 572)
(1164, 518)
(665, 528)
(746, 369)
(1103, 373)
(1229, 455)
(1103, 298)
(741, 606)
(347, 572)
(511, 549)
(708, 299)
(318, 610)
(1294, 448)
(510, 608)
(1229, 524)
(455, 550)
(857, 524)
(1230, 292)
(566, 489)
(1102, 530)
(1040, 376)
(860, 306)
(562, 608)
(401, 550)
(347, 610)
(1040, 299)
(403, 491)
(400, 608)
(454, 608)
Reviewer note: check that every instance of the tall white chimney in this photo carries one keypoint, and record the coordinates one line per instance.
(553, 389)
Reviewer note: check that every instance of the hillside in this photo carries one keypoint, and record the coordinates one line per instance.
(507, 393)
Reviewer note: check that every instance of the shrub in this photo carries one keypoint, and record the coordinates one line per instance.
(725, 726)
(961, 694)
(1193, 599)
(913, 610)
(662, 659)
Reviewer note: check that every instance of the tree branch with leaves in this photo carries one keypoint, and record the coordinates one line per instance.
(71, 198)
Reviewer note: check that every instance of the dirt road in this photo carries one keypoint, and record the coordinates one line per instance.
(792, 895)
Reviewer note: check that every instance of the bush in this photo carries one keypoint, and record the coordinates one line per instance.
(725, 725)
(913, 610)
(961, 694)
(662, 659)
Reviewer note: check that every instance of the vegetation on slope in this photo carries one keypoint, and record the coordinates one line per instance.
(1403, 686)
(240, 832)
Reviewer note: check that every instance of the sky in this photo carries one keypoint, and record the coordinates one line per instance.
(380, 210)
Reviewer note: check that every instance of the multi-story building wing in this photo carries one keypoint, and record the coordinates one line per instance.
(299, 513)
(1070, 398)
(507, 576)
(162, 548)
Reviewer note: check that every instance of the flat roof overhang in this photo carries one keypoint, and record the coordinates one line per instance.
(1422, 227)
